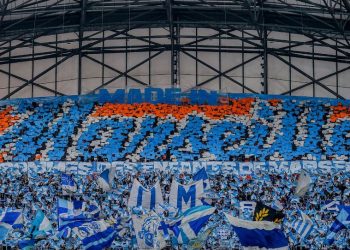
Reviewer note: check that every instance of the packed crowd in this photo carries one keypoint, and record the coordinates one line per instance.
(41, 191)
(259, 129)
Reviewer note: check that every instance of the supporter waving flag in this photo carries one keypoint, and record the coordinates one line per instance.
(188, 226)
(10, 219)
(341, 222)
(70, 214)
(303, 226)
(304, 182)
(266, 213)
(106, 178)
(68, 184)
(95, 235)
(41, 226)
(258, 234)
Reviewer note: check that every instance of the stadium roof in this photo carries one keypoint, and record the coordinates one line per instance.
(51, 16)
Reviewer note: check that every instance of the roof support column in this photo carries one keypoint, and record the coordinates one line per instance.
(83, 4)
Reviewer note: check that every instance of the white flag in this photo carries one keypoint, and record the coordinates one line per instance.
(147, 198)
(184, 197)
(303, 185)
(147, 231)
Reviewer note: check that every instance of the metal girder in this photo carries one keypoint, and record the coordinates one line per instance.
(324, 24)
(69, 55)
(83, 5)
(276, 16)
(126, 72)
(220, 73)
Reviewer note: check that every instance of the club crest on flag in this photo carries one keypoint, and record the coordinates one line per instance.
(149, 226)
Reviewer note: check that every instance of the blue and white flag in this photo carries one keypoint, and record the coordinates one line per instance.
(303, 226)
(95, 235)
(258, 234)
(93, 210)
(184, 197)
(147, 231)
(331, 206)
(68, 184)
(105, 179)
(146, 198)
(341, 222)
(73, 207)
(12, 217)
(41, 226)
(191, 223)
(202, 175)
(72, 221)
(70, 214)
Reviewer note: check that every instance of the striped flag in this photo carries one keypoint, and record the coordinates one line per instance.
(95, 235)
(188, 226)
(70, 214)
(341, 222)
(258, 234)
(303, 225)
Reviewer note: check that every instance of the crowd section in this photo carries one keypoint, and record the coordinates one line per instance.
(42, 191)
(252, 128)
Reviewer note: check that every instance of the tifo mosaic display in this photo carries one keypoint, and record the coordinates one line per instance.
(237, 128)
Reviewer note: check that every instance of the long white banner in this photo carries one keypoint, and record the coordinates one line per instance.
(212, 167)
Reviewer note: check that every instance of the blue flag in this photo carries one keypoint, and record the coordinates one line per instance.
(95, 235)
(341, 222)
(258, 234)
(93, 210)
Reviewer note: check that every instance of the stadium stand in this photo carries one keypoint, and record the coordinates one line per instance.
(238, 129)
(258, 129)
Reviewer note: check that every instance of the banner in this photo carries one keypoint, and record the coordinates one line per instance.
(211, 167)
